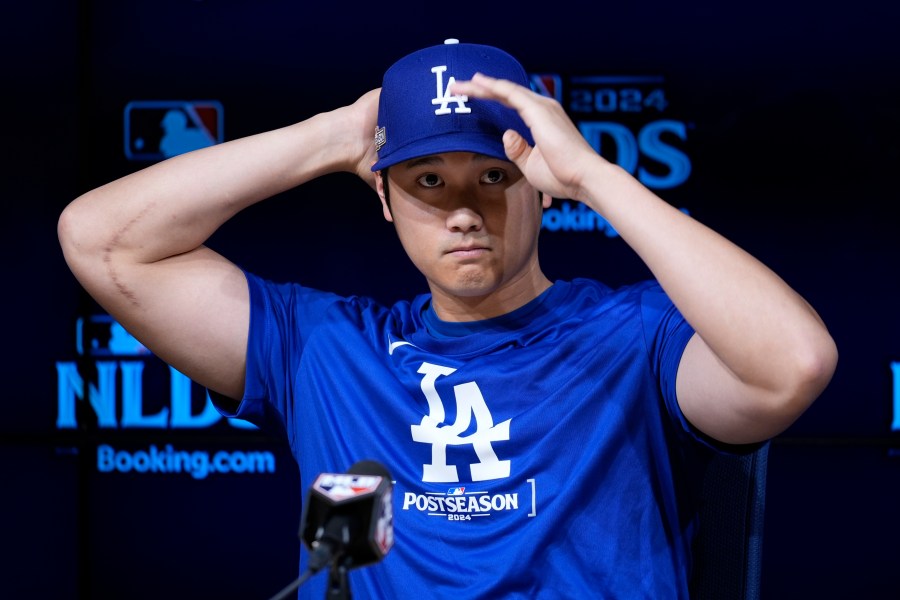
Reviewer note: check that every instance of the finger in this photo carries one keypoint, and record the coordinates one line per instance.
(507, 93)
(517, 149)
(480, 86)
(486, 87)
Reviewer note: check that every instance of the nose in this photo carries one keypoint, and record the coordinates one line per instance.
(464, 219)
(463, 214)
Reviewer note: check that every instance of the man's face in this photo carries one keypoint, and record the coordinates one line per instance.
(470, 224)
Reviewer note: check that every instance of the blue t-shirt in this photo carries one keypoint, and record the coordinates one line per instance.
(541, 454)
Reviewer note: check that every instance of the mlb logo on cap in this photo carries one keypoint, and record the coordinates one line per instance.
(418, 116)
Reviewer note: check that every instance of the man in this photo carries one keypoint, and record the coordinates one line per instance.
(543, 435)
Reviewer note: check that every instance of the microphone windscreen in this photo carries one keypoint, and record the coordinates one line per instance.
(369, 467)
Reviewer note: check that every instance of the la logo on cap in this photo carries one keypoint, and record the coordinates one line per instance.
(443, 97)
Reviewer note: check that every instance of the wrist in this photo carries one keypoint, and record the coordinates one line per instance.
(321, 145)
(599, 180)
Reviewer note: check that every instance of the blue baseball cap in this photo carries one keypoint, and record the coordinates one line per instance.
(417, 115)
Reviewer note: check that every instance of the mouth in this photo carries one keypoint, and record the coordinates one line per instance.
(468, 251)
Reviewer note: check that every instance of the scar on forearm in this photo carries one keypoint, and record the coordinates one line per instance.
(108, 250)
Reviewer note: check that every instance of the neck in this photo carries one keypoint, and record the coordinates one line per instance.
(503, 300)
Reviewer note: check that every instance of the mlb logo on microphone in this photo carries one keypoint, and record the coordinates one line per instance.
(338, 487)
(160, 129)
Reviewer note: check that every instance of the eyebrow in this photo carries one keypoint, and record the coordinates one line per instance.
(436, 159)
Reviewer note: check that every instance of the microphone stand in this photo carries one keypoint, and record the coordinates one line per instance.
(338, 585)
(320, 556)
(292, 586)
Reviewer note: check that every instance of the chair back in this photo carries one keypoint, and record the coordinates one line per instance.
(727, 552)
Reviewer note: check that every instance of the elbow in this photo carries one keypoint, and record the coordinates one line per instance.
(754, 412)
(76, 231)
(818, 368)
(67, 232)
(79, 240)
(809, 375)
(67, 226)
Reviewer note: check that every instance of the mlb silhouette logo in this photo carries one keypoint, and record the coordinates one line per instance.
(160, 129)
(547, 84)
(103, 336)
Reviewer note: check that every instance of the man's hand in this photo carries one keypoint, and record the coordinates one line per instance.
(557, 163)
(363, 118)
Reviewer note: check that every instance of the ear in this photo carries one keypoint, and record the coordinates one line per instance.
(379, 187)
(546, 200)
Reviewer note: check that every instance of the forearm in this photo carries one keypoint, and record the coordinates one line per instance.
(758, 326)
(174, 206)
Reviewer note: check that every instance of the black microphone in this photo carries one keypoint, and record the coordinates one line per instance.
(347, 522)
(348, 517)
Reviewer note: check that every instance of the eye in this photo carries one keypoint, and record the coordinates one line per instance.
(493, 176)
(430, 180)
